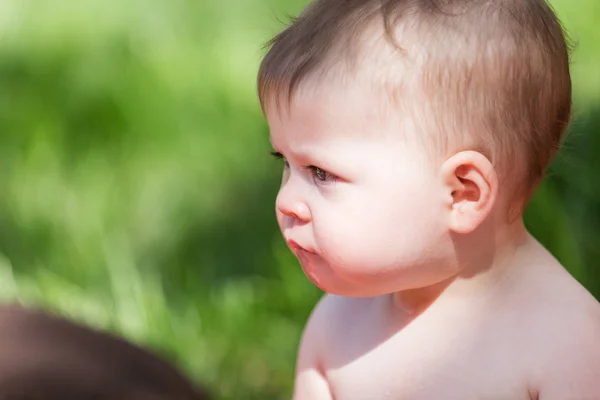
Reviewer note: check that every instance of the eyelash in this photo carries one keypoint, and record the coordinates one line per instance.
(318, 173)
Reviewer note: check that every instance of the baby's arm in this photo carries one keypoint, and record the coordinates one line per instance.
(311, 383)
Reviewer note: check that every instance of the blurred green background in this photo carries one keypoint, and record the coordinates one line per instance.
(137, 193)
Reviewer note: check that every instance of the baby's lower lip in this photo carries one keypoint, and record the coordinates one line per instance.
(296, 247)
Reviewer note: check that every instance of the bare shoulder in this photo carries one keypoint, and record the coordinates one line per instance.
(573, 366)
(328, 326)
(568, 338)
(332, 315)
(321, 335)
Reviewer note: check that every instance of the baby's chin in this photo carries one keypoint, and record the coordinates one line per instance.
(332, 280)
(314, 268)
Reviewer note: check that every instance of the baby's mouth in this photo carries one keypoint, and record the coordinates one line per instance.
(295, 247)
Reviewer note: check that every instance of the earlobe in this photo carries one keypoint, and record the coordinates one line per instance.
(471, 181)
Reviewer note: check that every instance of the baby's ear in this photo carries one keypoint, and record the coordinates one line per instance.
(472, 184)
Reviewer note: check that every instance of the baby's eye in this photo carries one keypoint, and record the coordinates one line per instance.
(322, 175)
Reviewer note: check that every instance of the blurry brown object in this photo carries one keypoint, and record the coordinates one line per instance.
(43, 356)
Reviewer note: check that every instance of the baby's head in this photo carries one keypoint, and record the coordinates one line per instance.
(45, 357)
(405, 123)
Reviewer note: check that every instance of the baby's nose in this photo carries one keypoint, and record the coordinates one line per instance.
(292, 205)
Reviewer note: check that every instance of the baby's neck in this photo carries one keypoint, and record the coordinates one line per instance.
(485, 266)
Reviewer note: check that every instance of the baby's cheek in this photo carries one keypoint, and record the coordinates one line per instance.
(376, 237)
(350, 248)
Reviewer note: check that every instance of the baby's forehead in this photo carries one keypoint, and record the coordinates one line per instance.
(331, 126)
(326, 115)
(369, 85)
(336, 101)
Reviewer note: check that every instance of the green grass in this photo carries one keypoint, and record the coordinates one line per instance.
(138, 195)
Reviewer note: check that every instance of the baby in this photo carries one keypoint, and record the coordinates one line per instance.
(413, 134)
(44, 357)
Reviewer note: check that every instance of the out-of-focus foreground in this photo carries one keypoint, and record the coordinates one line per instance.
(138, 194)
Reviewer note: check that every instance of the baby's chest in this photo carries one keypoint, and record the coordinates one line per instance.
(432, 370)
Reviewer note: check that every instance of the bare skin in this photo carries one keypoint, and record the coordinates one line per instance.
(533, 334)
